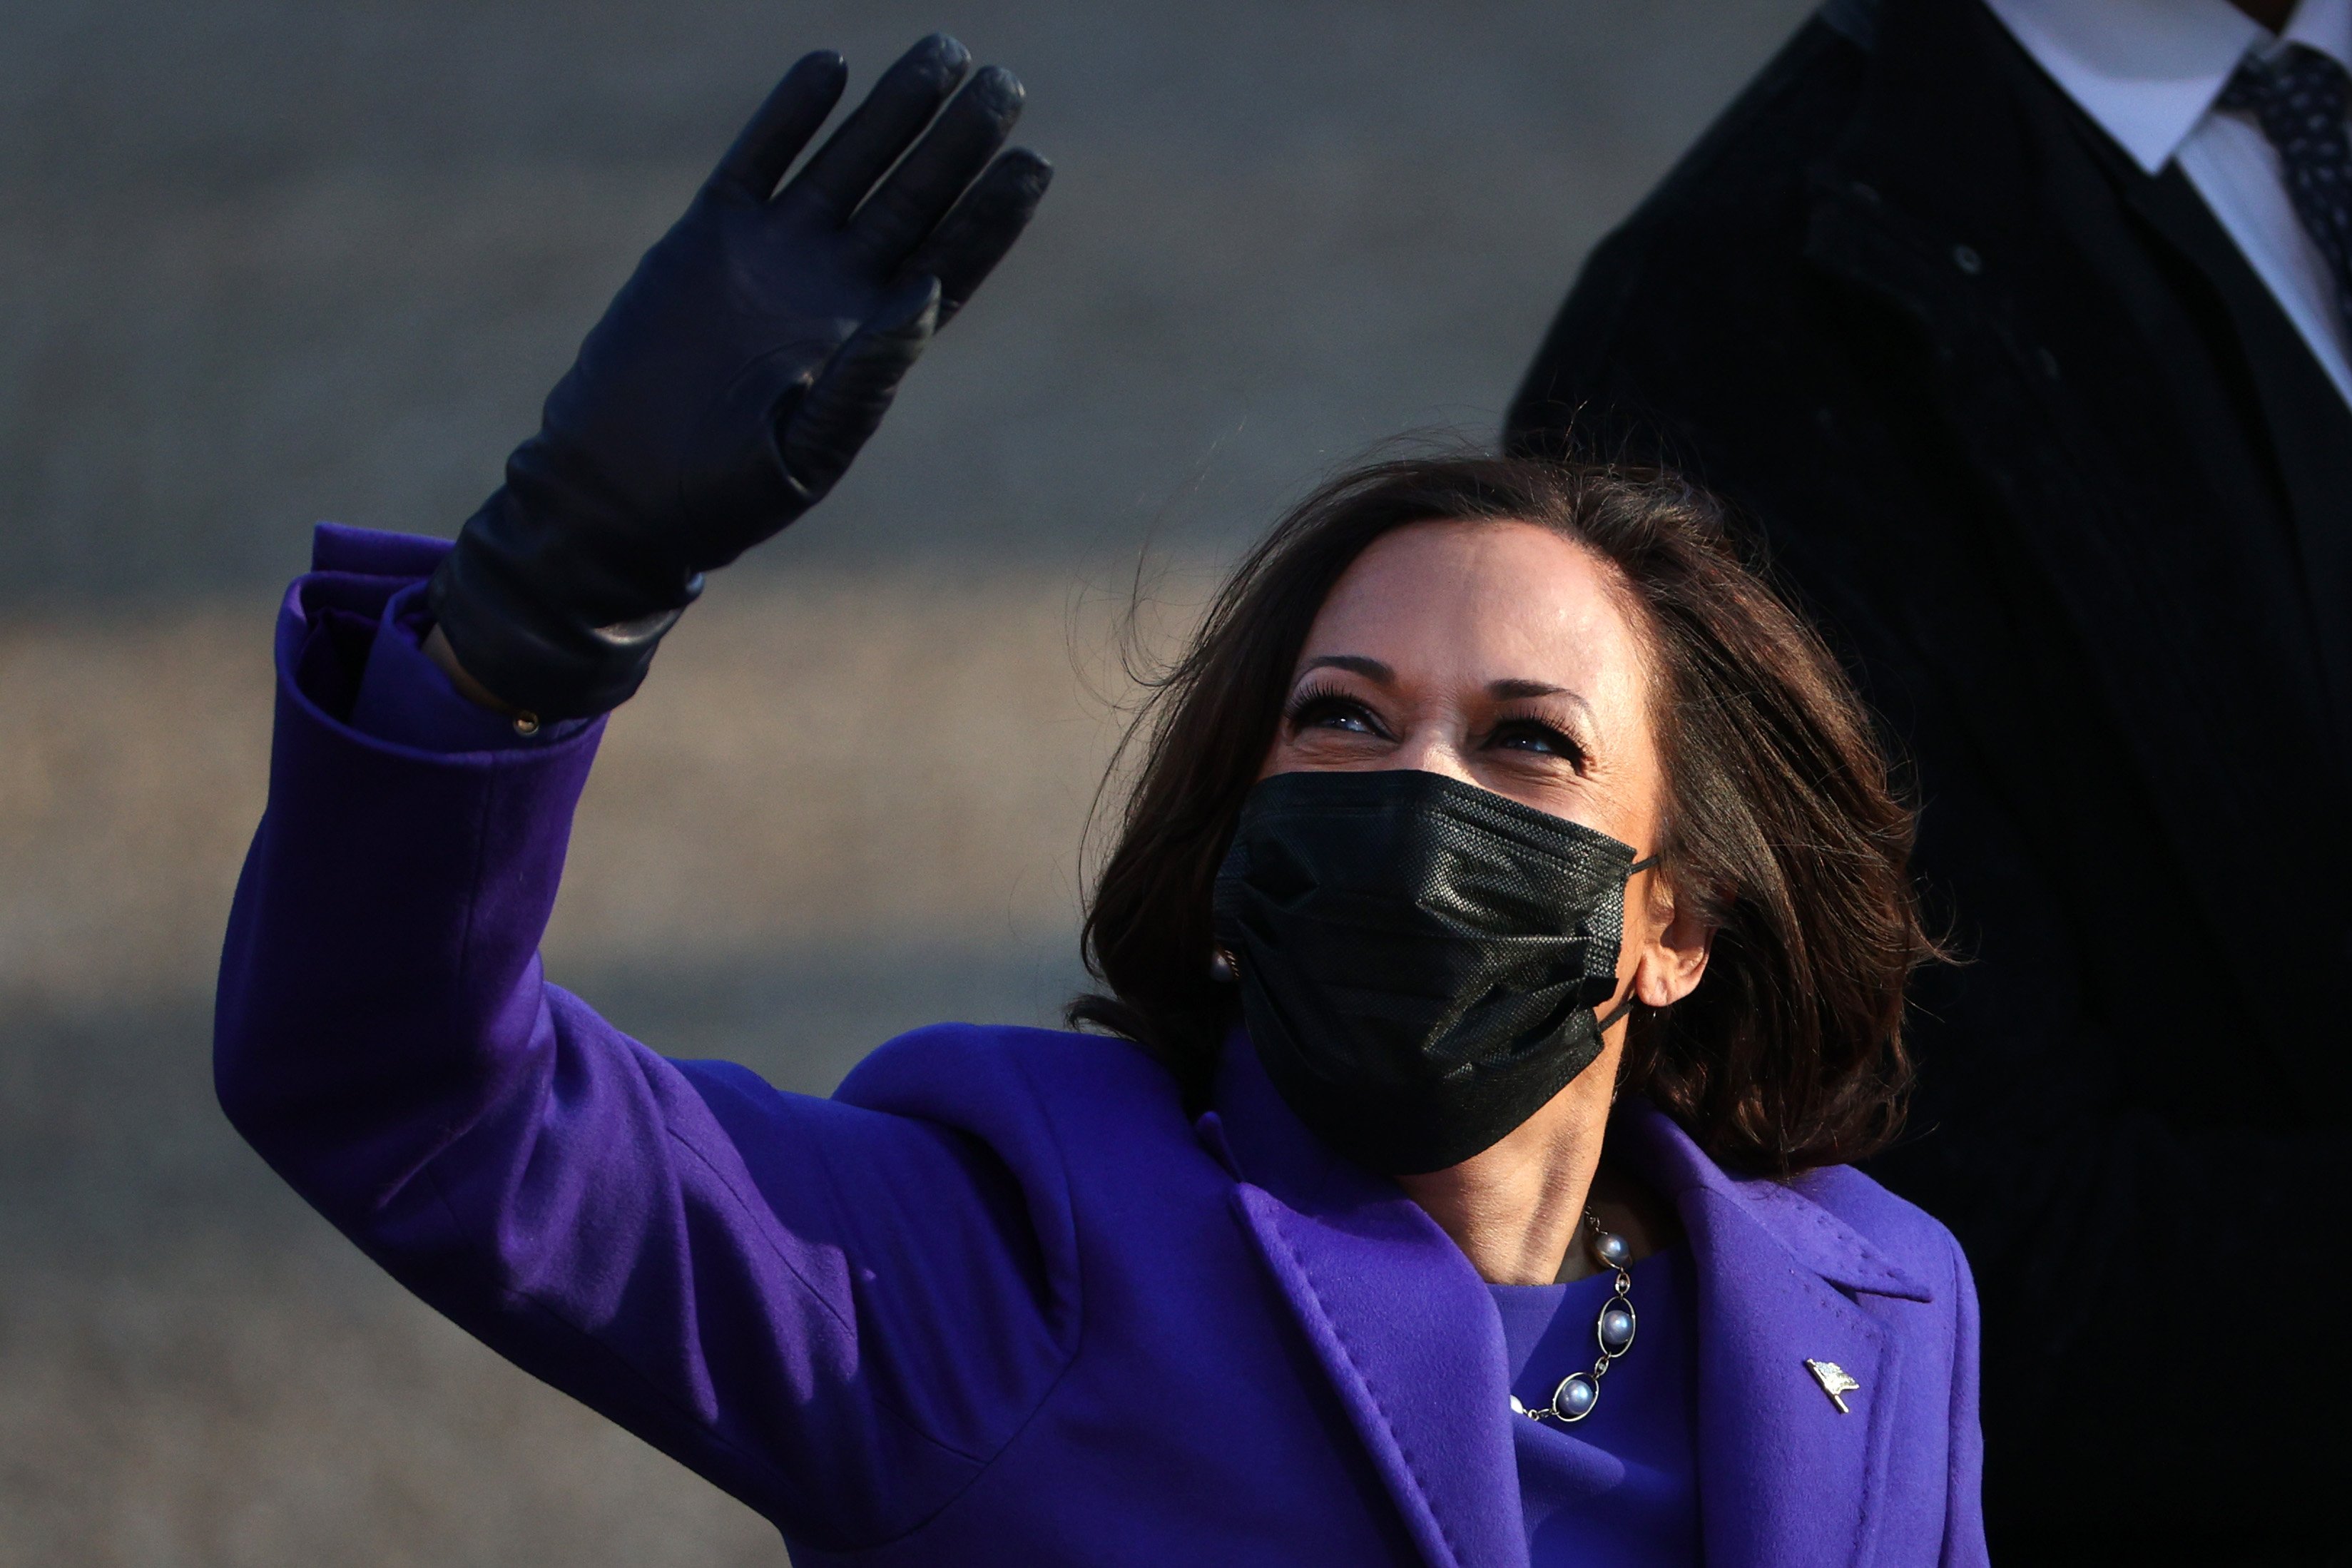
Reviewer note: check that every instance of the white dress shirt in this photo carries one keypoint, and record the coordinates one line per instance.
(2147, 72)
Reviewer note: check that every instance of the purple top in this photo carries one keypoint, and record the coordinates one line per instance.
(1009, 1296)
(1619, 1486)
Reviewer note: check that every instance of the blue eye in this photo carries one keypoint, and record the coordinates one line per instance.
(1320, 708)
(1332, 713)
(1534, 736)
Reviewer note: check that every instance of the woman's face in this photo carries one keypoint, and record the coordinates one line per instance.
(1493, 653)
(1497, 654)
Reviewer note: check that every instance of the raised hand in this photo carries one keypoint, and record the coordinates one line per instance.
(755, 348)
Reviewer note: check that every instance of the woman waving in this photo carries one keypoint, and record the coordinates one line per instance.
(1502, 952)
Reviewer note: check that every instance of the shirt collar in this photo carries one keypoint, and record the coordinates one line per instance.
(2148, 70)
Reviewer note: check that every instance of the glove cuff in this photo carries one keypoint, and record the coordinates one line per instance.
(530, 644)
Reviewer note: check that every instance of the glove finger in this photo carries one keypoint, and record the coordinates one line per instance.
(878, 129)
(928, 181)
(783, 126)
(829, 424)
(966, 247)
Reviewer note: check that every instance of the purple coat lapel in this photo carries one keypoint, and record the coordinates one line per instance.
(1401, 1322)
(1407, 1333)
(1784, 1477)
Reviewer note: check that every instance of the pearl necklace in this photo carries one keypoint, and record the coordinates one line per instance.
(1579, 1391)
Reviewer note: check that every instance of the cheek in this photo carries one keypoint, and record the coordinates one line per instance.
(1643, 925)
(1287, 753)
(1637, 787)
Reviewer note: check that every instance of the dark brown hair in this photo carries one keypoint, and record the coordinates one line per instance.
(1780, 829)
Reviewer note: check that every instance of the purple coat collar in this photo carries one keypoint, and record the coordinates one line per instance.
(1408, 1335)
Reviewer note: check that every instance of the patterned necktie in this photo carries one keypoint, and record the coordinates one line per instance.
(2300, 97)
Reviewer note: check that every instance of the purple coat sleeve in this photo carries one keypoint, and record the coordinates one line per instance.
(835, 1314)
(403, 697)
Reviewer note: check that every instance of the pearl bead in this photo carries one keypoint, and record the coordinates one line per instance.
(1575, 1395)
(1612, 1249)
(1616, 1328)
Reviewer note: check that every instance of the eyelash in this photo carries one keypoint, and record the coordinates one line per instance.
(1302, 707)
(1304, 711)
(1562, 743)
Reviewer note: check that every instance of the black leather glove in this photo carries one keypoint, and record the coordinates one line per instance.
(738, 372)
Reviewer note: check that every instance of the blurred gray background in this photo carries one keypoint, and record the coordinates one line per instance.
(266, 261)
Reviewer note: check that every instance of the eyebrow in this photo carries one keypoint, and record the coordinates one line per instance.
(1512, 690)
(1506, 691)
(1370, 668)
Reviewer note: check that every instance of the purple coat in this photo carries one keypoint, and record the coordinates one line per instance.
(1000, 1299)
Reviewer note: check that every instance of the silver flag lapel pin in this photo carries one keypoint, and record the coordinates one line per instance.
(1835, 1382)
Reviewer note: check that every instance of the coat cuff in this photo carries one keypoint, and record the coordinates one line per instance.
(351, 643)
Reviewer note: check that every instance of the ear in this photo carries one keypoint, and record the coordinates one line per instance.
(1671, 963)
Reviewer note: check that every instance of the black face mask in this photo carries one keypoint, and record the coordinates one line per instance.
(1419, 959)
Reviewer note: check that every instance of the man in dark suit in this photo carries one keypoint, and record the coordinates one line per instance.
(2017, 329)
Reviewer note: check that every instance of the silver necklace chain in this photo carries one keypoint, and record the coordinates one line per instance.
(1580, 1392)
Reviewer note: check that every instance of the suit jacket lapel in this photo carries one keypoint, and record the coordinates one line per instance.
(1784, 1475)
(1402, 1324)
(1905, 210)
(2308, 425)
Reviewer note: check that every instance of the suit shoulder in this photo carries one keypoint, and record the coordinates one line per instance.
(1756, 159)
(1700, 271)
